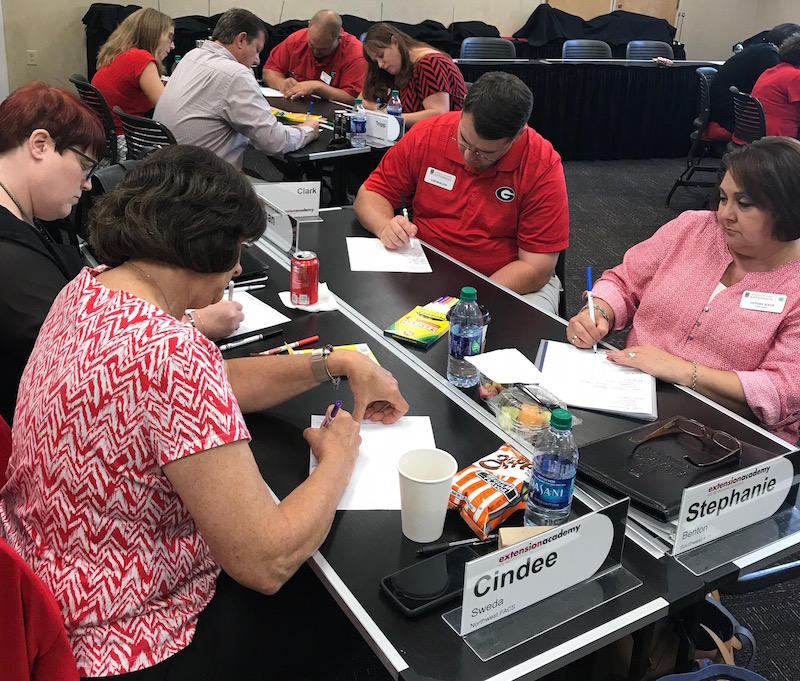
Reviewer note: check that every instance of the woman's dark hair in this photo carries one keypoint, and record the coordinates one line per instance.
(790, 50)
(378, 82)
(68, 120)
(769, 172)
(184, 206)
(781, 32)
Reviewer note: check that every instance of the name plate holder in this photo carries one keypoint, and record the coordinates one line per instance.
(384, 130)
(519, 592)
(738, 513)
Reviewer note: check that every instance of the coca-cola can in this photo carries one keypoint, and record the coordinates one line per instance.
(304, 278)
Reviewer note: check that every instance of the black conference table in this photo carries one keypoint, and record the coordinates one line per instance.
(363, 546)
(606, 109)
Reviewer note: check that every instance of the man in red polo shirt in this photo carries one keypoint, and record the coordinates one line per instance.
(320, 60)
(485, 188)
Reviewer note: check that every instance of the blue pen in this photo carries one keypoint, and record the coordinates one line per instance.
(308, 113)
(589, 299)
(332, 415)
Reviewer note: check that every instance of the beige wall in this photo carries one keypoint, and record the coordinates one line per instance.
(53, 27)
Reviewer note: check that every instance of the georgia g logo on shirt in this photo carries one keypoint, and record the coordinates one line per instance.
(505, 194)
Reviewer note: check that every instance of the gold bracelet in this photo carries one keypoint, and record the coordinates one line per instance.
(694, 376)
(602, 312)
(202, 325)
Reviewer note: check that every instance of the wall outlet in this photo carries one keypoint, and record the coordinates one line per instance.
(31, 58)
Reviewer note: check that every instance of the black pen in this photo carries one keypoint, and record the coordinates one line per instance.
(430, 549)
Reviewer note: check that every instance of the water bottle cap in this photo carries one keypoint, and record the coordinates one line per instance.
(560, 419)
(358, 101)
(468, 293)
(395, 93)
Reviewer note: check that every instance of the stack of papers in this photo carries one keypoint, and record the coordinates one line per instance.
(368, 254)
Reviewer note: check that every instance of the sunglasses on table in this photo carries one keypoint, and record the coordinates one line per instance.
(723, 440)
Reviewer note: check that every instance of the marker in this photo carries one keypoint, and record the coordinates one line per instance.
(589, 298)
(250, 339)
(443, 546)
(230, 290)
(289, 346)
(308, 113)
(244, 289)
(332, 415)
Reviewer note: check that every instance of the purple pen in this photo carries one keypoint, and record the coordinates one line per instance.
(332, 415)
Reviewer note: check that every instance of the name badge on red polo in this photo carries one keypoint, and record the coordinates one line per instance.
(439, 178)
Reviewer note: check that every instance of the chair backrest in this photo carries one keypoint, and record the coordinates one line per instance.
(749, 124)
(93, 98)
(143, 135)
(708, 71)
(483, 47)
(648, 49)
(585, 49)
(104, 180)
(705, 99)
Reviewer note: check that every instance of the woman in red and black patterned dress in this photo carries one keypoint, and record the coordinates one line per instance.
(428, 80)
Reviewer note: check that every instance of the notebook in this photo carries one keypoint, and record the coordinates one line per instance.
(655, 473)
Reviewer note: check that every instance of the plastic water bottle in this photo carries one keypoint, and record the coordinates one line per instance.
(555, 463)
(175, 63)
(466, 329)
(394, 107)
(358, 126)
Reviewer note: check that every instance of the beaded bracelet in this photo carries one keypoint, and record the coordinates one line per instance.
(602, 312)
(191, 320)
(694, 376)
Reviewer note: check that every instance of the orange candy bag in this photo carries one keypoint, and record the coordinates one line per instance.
(491, 489)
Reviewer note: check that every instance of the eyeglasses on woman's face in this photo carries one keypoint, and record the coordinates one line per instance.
(88, 164)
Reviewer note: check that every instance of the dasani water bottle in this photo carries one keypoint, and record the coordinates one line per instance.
(466, 327)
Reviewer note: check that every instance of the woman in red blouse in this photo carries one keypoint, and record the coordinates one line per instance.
(129, 64)
(428, 80)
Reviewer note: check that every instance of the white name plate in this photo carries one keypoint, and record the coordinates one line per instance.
(298, 199)
(383, 130)
(517, 576)
(718, 507)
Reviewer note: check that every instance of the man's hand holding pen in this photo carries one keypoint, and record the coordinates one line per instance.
(398, 232)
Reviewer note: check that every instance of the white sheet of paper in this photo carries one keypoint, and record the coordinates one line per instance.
(374, 484)
(506, 366)
(257, 314)
(368, 254)
(271, 92)
(586, 379)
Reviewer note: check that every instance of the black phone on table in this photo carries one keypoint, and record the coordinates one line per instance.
(430, 582)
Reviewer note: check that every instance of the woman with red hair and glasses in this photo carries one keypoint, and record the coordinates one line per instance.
(50, 143)
(50, 146)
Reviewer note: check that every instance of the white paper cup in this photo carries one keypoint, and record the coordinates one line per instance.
(425, 479)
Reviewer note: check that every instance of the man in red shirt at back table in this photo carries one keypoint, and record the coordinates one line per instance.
(485, 188)
(321, 60)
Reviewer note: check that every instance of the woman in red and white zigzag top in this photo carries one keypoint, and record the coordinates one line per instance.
(131, 483)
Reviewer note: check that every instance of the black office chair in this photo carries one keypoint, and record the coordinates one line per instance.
(482, 47)
(749, 124)
(585, 49)
(648, 49)
(92, 97)
(701, 147)
(104, 180)
(143, 135)
(561, 269)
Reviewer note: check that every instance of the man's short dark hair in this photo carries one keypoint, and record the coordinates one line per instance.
(500, 105)
(236, 21)
(184, 206)
(790, 50)
(782, 31)
(769, 172)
